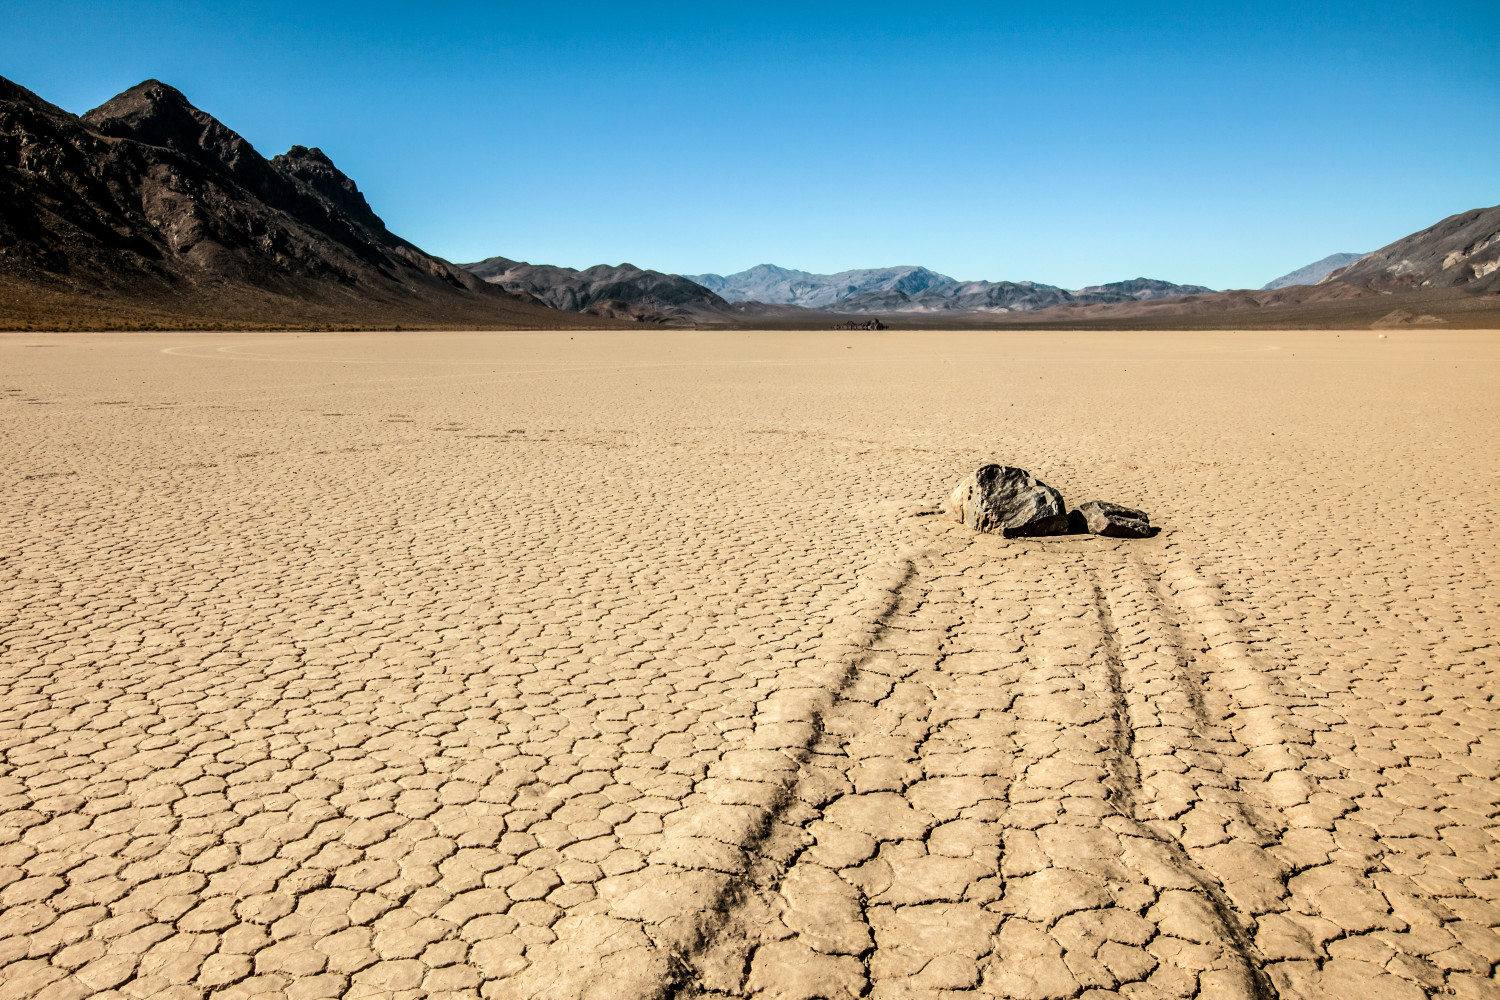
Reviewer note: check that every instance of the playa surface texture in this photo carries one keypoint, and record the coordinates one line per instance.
(619, 666)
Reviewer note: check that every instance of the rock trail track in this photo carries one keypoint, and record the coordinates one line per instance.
(1047, 774)
(638, 667)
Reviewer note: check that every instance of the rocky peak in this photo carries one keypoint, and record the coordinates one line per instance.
(313, 168)
(156, 114)
(12, 92)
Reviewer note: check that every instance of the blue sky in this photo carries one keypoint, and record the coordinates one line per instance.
(1072, 144)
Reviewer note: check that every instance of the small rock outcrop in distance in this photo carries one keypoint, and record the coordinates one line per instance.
(1100, 517)
(1405, 317)
(618, 309)
(1008, 501)
(855, 324)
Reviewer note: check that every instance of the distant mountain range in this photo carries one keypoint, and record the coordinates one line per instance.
(918, 290)
(1312, 273)
(1010, 296)
(1446, 273)
(783, 286)
(627, 292)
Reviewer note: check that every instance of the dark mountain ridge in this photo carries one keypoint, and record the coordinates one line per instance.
(148, 211)
(621, 291)
(1461, 252)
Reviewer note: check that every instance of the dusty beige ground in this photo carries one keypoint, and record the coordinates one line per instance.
(584, 665)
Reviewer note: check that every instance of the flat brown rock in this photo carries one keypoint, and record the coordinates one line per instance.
(1100, 517)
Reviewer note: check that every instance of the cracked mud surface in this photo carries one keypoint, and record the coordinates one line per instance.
(630, 666)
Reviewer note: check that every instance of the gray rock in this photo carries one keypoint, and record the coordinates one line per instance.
(1100, 517)
(1008, 501)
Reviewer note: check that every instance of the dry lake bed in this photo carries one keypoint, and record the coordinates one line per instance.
(563, 665)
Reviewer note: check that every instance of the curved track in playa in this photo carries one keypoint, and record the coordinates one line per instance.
(639, 666)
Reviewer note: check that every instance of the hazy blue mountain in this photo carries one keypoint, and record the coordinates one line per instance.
(783, 286)
(1314, 272)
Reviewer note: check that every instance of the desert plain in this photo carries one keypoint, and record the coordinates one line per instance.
(628, 665)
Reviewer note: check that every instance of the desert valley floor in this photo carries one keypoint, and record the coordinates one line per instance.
(562, 665)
